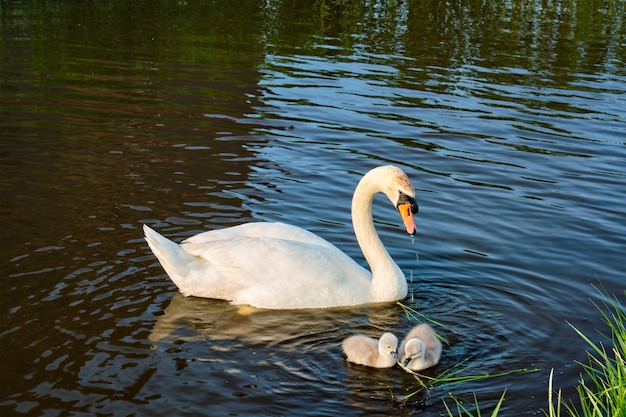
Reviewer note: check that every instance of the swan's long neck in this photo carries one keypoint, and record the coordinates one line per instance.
(388, 281)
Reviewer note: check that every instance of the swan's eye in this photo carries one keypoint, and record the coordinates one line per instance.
(405, 199)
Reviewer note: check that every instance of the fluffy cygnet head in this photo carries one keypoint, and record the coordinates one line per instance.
(413, 350)
(388, 345)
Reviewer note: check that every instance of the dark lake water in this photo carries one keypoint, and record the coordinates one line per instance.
(509, 117)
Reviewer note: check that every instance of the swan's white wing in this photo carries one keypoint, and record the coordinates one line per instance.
(270, 272)
(261, 230)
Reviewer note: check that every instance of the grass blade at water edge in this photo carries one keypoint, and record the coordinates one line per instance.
(602, 385)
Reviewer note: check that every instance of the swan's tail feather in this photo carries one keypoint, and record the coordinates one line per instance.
(172, 257)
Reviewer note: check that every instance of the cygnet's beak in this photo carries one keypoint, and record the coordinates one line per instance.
(406, 212)
(394, 355)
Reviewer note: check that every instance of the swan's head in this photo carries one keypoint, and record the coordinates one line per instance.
(398, 188)
(414, 349)
(407, 206)
(388, 345)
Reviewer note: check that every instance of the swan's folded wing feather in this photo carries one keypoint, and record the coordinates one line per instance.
(268, 269)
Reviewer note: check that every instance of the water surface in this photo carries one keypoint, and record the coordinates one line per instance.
(190, 117)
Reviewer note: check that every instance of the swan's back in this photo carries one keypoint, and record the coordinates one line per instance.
(273, 230)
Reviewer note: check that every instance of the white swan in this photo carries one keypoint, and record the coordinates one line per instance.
(278, 266)
(378, 353)
(420, 349)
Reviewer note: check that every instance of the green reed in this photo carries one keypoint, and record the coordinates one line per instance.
(602, 385)
(456, 374)
(462, 410)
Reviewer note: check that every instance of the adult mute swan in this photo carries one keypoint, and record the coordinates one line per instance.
(278, 266)
(378, 353)
(420, 348)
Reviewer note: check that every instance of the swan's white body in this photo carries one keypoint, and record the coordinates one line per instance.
(420, 349)
(377, 353)
(278, 266)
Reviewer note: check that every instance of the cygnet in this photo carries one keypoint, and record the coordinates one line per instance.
(378, 353)
(420, 349)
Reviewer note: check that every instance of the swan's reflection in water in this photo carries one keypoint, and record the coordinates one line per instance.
(278, 349)
(190, 318)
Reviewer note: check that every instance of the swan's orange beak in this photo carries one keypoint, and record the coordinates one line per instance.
(407, 217)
